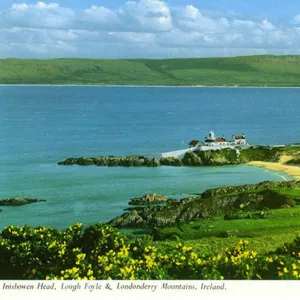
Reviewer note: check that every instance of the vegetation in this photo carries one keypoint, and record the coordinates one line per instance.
(102, 252)
(261, 154)
(230, 202)
(251, 225)
(242, 232)
(294, 161)
(198, 158)
(265, 70)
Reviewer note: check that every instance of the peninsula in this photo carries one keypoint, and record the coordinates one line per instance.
(284, 158)
(261, 70)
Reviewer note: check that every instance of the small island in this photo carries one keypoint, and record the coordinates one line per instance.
(19, 201)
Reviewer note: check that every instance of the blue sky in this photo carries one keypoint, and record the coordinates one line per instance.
(148, 28)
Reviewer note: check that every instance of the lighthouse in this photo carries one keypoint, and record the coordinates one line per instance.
(211, 136)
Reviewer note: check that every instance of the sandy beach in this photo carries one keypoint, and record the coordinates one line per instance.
(280, 166)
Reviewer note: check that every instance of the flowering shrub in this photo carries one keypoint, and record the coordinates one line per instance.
(103, 252)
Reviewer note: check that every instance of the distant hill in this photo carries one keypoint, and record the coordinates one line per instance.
(265, 70)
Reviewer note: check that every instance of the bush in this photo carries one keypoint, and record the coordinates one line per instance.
(295, 161)
(102, 252)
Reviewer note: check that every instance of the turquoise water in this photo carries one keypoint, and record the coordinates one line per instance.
(43, 125)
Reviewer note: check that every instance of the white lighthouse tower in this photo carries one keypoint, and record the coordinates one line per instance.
(211, 136)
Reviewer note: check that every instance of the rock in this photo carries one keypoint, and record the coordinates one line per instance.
(195, 158)
(238, 203)
(112, 161)
(192, 159)
(148, 199)
(84, 161)
(171, 161)
(100, 161)
(132, 219)
(19, 201)
(273, 200)
(209, 193)
(68, 161)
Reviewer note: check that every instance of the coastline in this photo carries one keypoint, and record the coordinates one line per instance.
(290, 170)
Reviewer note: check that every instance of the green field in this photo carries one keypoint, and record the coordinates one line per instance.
(265, 70)
(278, 226)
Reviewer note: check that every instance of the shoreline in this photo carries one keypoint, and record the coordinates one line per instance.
(151, 86)
(293, 171)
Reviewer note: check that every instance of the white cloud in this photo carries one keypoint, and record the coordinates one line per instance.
(147, 15)
(39, 15)
(297, 19)
(141, 28)
(190, 18)
(101, 17)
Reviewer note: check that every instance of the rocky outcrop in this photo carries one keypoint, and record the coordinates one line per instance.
(148, 199)
(261, 154)
(188, 209)
(196, 158)
(112, 161)
(209, 193)
(171, 161)
(19, 201)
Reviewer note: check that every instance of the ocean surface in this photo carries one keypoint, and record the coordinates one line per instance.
(41, 125)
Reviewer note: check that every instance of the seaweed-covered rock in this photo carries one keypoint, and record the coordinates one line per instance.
(100, 161)
(211, 158)
(192, 159)
(219, 157)
(112, 161)
(152, 162)
(171, 161)
(84, 161)
(18, 201)
(68, 162)
(148, 199)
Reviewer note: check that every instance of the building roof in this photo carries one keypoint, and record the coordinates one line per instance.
(217, 140)
(220, 140)
(194, 142)
(239, 137)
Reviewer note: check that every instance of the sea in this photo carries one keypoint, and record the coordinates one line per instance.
(42, 125)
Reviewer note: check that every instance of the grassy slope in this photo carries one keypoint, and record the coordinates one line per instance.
(281, 226)
(249, 70)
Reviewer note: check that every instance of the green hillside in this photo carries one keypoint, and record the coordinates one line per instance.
(266, 70)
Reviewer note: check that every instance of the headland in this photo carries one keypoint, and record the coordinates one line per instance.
(220, 71)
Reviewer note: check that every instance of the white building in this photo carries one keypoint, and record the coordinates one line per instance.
(213, 143)
(239, 139)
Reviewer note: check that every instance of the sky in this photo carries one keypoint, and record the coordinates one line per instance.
(148, 28)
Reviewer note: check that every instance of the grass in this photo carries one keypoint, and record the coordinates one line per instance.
(210, 235)
(265, 70)
(261, 244)
(216, 234)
